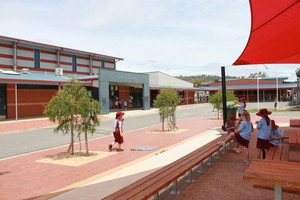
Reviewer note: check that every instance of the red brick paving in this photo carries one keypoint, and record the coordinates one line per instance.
(24, 178)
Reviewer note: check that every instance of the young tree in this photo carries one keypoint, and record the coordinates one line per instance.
(167, 102)
(216, 99)
(89, 110)
(69, 108)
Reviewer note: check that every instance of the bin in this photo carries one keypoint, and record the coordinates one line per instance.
(231, 110)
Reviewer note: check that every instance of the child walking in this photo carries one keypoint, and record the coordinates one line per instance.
(264, 127)
(242, 135)
(118, 131)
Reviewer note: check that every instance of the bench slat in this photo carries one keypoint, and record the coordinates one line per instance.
(167, 180)
(157, 183)
(163, 170)
(153, 183)
(270, 187)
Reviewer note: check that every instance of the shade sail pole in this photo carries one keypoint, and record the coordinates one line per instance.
(224, 97)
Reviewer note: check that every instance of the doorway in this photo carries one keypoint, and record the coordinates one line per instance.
(2, 101)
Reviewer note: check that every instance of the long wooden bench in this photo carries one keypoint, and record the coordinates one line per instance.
(152, 184)
(279, 153)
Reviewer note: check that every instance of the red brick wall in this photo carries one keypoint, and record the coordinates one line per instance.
(31, 102)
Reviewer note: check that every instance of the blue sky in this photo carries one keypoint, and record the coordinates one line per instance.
(177, 37)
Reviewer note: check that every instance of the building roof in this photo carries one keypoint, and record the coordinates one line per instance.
(250, 87)
(160, 87)
(20, 41)
(7, 76)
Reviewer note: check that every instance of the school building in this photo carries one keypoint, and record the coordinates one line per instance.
(250, 88)
(31, 73)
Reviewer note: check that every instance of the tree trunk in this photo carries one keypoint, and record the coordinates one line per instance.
(86, 141)
(79, 139)
(163, 122)
(72, 139)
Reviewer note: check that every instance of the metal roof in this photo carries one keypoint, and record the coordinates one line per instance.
(59, 48)
(159, 87)
(31, 77)
(251, 87)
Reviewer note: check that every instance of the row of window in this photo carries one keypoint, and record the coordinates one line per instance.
(37, 60)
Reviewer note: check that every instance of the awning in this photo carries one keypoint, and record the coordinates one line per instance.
(275, 33)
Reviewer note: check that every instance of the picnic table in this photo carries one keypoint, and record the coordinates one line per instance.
(277, 173)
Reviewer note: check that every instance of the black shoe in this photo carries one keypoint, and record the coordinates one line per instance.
(120, 149)
(110, 147)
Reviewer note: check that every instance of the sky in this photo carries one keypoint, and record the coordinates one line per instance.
(177, 37)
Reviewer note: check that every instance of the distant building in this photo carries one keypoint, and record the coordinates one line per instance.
(249, 88)
(159, 81)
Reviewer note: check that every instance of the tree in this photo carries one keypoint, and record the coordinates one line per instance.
(216, 99)
(258, 75)
(196, 82)
(88, 110)
(70, 108)
(167, 102)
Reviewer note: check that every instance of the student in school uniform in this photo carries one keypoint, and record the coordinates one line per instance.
(118, 132)
(264, 127)
(242, 135)
(275, 136)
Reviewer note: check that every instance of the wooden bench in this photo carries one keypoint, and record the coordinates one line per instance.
(278, 173)
(279, 153)
(152, 184)
(294, 122)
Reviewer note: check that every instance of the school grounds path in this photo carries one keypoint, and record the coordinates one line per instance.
(24, 177)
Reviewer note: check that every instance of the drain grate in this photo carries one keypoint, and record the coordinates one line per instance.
(144, 148)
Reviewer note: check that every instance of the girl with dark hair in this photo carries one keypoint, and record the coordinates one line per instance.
(242, 135)
(264, 127)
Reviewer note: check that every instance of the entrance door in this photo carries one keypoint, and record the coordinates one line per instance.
(2, 101)
(136, 95)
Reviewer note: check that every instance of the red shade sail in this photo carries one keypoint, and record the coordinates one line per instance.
(275, 33)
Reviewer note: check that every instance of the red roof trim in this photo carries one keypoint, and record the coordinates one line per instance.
(63, 48)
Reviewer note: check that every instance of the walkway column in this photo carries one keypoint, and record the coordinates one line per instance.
(224, 97)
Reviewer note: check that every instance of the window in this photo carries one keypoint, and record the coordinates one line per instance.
(181, 94)
(102, 64)
(37, 63)
(74, 64)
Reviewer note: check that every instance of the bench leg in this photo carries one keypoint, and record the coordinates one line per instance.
(190, 177)
(223, 150)
(175, 191)
(201, 170)
(218, 156)
(210, 161)
(156, 196)
(277, 192)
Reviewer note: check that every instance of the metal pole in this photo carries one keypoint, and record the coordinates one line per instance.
(276, 84)
(257, 93)
(16, 100)
(224, 97)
